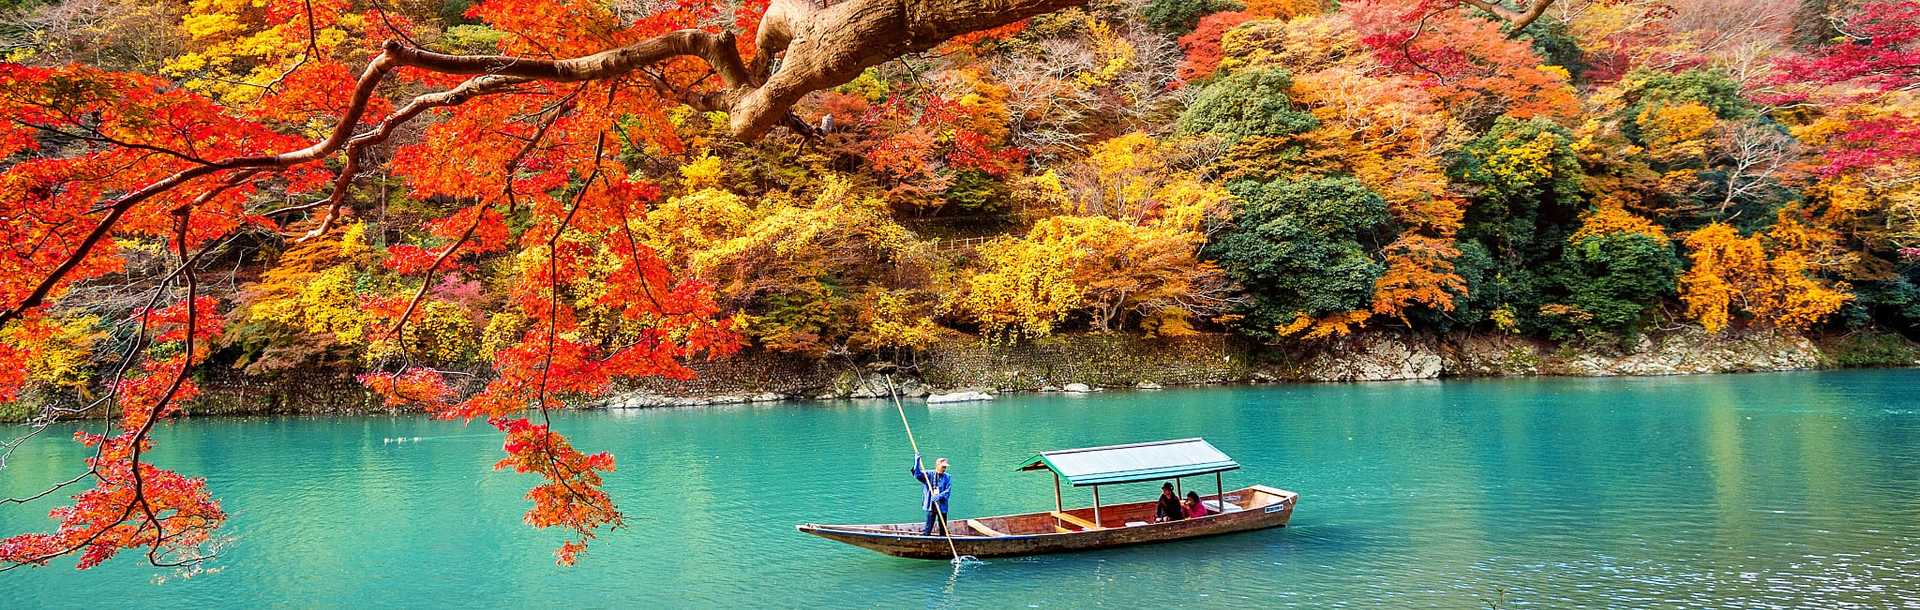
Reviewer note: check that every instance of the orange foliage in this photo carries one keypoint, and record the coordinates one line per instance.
(1419, 272)
(1729, 271)
(1610, 219)
(1202, 45)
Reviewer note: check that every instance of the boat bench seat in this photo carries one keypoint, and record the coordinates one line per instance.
(982, 528)
(1083, 523)
(1214, 505)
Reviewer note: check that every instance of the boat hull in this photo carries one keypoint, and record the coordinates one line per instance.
(1014, 535)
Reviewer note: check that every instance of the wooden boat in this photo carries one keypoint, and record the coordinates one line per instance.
(1096, 527)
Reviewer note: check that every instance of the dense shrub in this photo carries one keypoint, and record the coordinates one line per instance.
(1301, 249)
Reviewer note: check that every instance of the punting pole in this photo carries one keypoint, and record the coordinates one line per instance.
(946, 529)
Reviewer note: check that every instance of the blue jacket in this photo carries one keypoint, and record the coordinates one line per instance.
(935, 487)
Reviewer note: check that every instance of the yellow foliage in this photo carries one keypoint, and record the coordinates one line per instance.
(503, 331)
(1302, 46)
(234, 53)
(1331, 326)
(63, 357)
(1114, 54)
(439, 332)
(1171, 322)
(1676, 132)
(313, 288)
(686, 225)
(1525, 164)
(1106, 267)
(325, 304)
(889, 320)
(1285, 9)
(1128, 178)
(1610, 219)
(1025, 289)
(1729, 271)
(705, 172)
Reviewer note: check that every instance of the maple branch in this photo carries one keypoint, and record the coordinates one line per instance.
(137, 437)
(357, 146)
(185, 213)
(553, 309)
(400, 325)
(1519, 19)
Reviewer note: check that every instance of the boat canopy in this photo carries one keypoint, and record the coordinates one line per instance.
(1134, 462)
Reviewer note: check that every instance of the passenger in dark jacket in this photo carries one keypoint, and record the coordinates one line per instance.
(1168, 509)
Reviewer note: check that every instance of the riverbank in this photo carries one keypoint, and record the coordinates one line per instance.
(962, 369)
(965, 369)
(1071, 363)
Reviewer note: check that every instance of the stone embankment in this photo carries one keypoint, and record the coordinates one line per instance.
(968, 371)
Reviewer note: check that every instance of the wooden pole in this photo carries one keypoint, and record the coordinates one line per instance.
(1220, 492)
(1057, 508)
(1096, 506)
(1176, 488)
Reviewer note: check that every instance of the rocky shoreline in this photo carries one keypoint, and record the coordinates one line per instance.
(971, 371)
(965, 370)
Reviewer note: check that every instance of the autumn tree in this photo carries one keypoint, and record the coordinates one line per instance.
(1769, 282)
(289, 105)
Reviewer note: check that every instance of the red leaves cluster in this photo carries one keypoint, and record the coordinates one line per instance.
(1872, 143)
(1882, 53)
(1466, 62)
(132, 504)
(413, 387)
(170, 323)
(1202, 45)
(572, 496)
(169, 514)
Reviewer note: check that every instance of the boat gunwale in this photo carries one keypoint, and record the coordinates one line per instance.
(867, 530)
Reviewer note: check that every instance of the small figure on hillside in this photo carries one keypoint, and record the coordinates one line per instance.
(935, 488)
(1168, 509)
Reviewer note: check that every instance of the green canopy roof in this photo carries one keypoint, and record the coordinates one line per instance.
(1132, 463)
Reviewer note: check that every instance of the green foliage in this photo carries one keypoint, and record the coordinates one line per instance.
(1708, 87)
(1526, 180)
(1245, 104)
(976, 191)
(1894, 301)
(1297, 248)
(1869, 349)
(1554, 42)
(1611, 281)
(1176, 17)
(473, 39)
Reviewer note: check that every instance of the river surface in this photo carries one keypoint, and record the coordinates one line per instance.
(1750, 491)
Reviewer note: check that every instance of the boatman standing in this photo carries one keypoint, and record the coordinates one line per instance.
(934, 488)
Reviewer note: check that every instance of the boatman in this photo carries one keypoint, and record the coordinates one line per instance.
(934, 488)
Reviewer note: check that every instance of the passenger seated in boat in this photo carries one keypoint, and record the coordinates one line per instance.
(1196, 508)
(1168, 508)
(935, 487)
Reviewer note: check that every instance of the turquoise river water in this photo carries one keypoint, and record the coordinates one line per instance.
(1750, 491)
